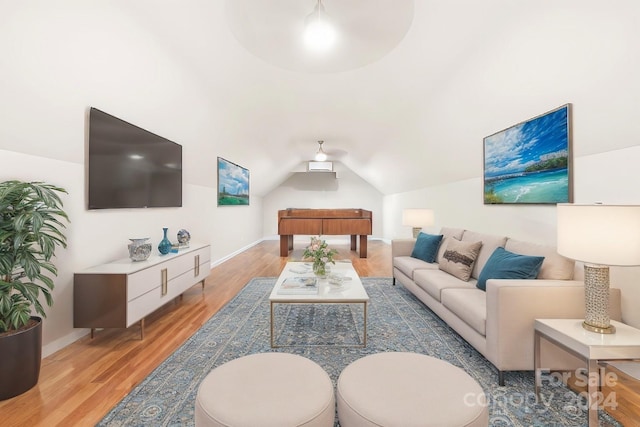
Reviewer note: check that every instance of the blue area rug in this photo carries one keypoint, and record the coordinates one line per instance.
(397, 321)
(319, 325)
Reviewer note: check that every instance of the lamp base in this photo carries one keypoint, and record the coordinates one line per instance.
(416, 231)
(596, 292)
(598, 329)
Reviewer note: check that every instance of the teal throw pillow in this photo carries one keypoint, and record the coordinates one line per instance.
(426, 247)
(503, 264)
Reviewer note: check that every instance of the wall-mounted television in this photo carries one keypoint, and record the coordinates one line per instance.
(129, 167)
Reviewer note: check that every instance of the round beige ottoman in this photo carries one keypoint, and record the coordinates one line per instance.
(408, 389)
(266, 389)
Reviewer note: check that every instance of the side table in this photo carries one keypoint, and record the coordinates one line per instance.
(590, 346)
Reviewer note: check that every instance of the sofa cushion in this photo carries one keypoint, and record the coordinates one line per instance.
(459, 257)
(470, 305)
(489, 244)
(503, 264)
(434, 281)
(447, 234)
(554, 267)
(407, 265)
(426, 247)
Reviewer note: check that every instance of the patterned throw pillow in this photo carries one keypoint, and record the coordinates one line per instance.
(459, 257)
(426, 247)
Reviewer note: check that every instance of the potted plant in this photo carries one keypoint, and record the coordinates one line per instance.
(30, 231)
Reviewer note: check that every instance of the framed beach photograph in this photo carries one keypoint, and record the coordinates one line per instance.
(530, 163)
(233, 184)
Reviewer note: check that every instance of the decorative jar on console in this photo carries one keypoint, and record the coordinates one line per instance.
(139, 249)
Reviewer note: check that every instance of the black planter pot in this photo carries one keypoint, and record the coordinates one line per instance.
(21, 357)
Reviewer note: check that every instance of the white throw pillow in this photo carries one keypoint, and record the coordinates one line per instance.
(459, 257)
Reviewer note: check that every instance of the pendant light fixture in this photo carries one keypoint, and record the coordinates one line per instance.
(321, 156)
(319, 33)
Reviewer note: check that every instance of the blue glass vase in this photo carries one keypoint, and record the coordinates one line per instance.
(165, 245)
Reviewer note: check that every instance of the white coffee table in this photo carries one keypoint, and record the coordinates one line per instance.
(350, 291)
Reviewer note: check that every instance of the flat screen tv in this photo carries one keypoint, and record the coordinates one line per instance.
(129, 167)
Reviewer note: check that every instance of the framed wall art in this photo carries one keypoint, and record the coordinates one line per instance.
(530, 163)
(233, 184)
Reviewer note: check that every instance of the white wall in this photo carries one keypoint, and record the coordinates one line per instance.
(610, 177)
(322, 190)
(99, 236)
(536, 59)
(57, 61)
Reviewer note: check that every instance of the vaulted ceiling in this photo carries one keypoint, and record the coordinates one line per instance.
(428, 79)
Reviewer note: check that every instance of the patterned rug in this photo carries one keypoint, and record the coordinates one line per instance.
(397, 321)
(318, 325)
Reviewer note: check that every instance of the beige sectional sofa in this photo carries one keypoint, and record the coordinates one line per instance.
(498, 322)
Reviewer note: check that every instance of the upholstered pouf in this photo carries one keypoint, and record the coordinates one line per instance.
(266, 389)
(408, 389)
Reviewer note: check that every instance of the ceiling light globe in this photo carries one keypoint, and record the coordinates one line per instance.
(321, 156)
(319, 35)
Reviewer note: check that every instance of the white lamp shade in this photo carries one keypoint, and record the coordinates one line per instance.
(600, 234)
(417, 217)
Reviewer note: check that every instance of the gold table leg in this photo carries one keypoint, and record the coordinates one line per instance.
(593, 393)
(365, 325)
(536, 363)
(272, 326)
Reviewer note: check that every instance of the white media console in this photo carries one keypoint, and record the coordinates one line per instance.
(121, 293)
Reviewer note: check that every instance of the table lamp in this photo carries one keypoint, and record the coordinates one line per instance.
(417, 218)
(600, 236)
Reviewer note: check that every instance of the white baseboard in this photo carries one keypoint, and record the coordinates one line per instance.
(232, 254)
(60, 343)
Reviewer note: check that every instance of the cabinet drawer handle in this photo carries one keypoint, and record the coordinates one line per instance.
(196, 266)
(163, 274)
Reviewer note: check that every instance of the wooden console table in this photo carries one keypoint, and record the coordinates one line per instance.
(121, 293)
(353, 222)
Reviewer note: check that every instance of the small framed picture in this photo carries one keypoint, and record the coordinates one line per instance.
(233, 184)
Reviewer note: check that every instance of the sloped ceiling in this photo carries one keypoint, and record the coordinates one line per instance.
(416, 116)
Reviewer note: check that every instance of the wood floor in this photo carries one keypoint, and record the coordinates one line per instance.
(79, 384)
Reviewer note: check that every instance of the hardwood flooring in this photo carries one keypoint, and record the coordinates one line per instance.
(79, 384)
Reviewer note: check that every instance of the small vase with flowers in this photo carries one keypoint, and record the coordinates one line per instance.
(320, 254)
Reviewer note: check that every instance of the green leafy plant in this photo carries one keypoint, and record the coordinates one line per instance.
(30, 231)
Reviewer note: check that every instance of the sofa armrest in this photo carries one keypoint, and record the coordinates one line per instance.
(512, 307)
(402, 247)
